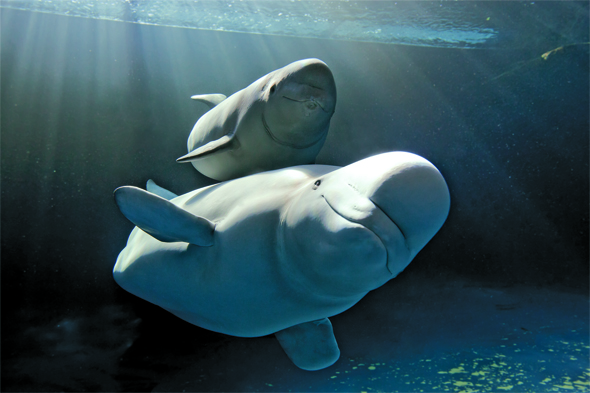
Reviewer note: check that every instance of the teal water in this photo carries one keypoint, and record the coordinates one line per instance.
(497, 301)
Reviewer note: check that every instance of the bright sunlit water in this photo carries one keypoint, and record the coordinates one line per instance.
(427, 23)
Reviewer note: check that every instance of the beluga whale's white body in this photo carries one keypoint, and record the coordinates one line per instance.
(280, 120)
(281, 251)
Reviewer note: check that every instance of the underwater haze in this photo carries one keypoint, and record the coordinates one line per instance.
(96, 95)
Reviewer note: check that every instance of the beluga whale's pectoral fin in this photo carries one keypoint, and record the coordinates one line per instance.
(152, 187)
(226, 142)
(162, 219)
(311, 345)
(211, 100)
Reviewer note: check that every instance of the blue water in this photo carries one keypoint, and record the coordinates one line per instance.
(497, 301)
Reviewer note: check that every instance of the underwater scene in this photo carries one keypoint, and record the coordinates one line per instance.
(295, 196)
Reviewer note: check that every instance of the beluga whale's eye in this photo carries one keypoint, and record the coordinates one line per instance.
(272, 89)
(317, 183)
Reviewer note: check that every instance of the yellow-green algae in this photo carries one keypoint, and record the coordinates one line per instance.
(526, 370)
(537, 365)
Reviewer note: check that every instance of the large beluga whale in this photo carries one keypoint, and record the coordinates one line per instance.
(281, 120)
(281, 251)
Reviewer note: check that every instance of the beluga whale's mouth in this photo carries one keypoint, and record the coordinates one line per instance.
(399, 196)
(363, 211)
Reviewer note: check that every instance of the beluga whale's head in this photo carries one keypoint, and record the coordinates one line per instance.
(357, 227)
(300, 100)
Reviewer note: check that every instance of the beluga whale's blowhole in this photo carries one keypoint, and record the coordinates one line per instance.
(280, 120)
(281, 251)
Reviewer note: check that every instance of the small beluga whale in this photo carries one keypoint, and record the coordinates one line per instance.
(281, 251)
(281, 120)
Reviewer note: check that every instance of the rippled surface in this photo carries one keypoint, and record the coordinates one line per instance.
(423, 23)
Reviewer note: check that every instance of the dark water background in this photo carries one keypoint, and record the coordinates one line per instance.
(88, 106)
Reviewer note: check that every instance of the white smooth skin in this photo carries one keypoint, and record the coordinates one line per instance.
(292, 245)
(280, 120)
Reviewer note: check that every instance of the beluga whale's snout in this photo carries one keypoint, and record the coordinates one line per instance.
(374, 216)
(402, 197)
(313, 84)
(300, 104)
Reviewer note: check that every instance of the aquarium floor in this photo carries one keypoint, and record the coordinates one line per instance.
(416, 334)
(428, 335)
